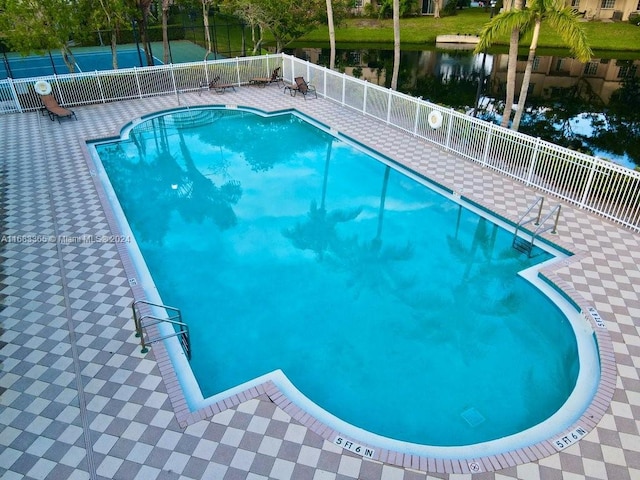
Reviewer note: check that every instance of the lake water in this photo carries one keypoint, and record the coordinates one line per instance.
(593, 107)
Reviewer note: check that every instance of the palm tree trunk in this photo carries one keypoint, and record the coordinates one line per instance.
(511, 77)
(143, 29)
(511, 70)
(114, 49)
(165, 31)
(332, 35)
(527, 76)
(396, 44)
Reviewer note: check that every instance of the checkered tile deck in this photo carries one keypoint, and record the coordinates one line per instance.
(79, 400)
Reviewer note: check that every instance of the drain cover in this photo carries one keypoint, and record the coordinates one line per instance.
(473, 417)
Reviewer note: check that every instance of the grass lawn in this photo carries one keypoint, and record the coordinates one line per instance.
(418, 32)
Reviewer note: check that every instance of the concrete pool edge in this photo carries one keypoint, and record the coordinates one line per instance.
(282, 397)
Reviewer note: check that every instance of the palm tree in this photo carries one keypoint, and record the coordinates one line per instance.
(143, 27)
(511, 62)
(396, 44)
(332, 35)
(562, 19)
(166, 57)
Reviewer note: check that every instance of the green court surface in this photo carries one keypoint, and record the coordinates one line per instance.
(14, 65)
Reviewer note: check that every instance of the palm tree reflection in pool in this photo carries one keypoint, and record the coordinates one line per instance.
(319, 232)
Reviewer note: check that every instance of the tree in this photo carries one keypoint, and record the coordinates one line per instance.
(41, 26)
(288, 20)
(110, 14)
(165, 32)
(332, 35)
(396, 44)
(206, 4)
(562, 19)
(251, 13)
(437, 6)
(512, 61)
(144, 7)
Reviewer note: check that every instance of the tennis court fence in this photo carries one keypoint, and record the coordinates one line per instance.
(597, 185)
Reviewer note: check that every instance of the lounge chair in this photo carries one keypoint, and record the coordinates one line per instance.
(301, 86)
(264, 81)
(54, 110)
(216, 85)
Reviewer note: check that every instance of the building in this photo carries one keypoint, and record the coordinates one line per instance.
(589, 9)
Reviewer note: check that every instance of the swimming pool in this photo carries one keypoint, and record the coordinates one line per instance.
(369, 238)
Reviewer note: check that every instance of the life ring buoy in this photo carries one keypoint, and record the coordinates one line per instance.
(42, 87)
(435, 119)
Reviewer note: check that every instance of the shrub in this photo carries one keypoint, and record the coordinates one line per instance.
(370, 10)
(406, 8)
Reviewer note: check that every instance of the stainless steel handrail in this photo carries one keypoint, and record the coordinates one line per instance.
(181, 329)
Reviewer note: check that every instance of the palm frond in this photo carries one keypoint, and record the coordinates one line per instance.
(567, 25)
(502, 24)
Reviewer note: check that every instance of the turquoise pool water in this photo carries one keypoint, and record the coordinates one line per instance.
(384, 302)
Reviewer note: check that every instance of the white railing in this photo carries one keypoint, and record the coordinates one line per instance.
(597, 185)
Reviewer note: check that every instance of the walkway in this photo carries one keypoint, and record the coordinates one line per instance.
(79, 400)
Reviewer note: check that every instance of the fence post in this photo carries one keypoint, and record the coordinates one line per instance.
(324, 83)
(206, 71)
(364, 100)
(485, 154)
(135, 73)
(389, 106)
(173, 80)
(57, 86)
(14, 94)
(344, 87)
(415, 122)
(293, 68)
(534, 159)
(587, 187)
(238, 68)
(100, 89)
(449, 128)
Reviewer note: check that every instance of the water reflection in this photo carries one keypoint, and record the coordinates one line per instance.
(593, 108)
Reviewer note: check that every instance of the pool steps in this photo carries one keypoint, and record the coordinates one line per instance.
(526, 246)
(150, 318)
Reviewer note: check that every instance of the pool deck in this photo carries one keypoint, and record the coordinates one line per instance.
(79, 401)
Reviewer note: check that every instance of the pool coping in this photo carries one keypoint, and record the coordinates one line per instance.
(587, 421)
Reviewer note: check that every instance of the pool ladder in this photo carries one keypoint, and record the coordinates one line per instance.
(526, 246)
(144, 317)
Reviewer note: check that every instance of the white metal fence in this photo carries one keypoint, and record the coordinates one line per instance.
(603, 187)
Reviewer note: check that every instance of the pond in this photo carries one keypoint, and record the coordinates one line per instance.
(593, 108)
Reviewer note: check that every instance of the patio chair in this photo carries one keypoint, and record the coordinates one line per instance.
(301, 86)
(54, 110)
(264, 81)
(217, 86)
